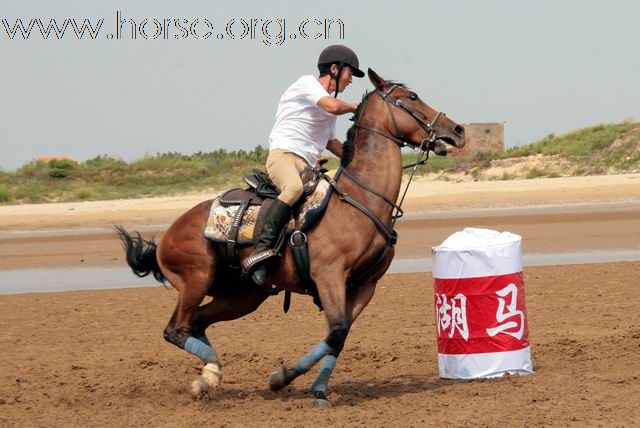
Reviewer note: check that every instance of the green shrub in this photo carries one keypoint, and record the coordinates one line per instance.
(5, 195)
(507, 176)
(33, 170)
(489, 155)
(104, 161)
(84, 194)
(62, 164)
(58, 173)
(536, 172)
(61, 168)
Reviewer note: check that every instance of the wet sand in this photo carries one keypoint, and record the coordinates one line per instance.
(552, 215)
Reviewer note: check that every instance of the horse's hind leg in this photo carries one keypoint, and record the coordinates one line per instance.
(188, 261)
(179, 331)
(226, 308)
(219, 309)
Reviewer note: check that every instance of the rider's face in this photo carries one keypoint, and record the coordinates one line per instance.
(345, 79)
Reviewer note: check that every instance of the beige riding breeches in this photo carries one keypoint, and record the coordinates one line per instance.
(284, 168)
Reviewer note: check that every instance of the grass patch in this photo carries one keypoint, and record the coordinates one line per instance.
(434, 163)
(31, 192)
(5, 195)
(84, 194)
(536, 172)
(105, 177)
(580, 144)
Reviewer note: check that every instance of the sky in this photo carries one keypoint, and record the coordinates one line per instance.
(541, 67)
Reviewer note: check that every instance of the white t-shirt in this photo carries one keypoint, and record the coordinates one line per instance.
(302, 127)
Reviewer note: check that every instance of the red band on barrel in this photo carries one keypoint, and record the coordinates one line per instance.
(481, 315)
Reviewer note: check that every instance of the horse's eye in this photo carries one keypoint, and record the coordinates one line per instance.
(413, 97)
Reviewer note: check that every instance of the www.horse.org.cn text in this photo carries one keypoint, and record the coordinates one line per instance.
(267, 31)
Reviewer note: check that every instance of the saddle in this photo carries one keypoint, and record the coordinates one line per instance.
(237, 216)
(247, 208)
(262, 188)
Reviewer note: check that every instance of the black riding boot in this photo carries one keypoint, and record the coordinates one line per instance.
(277, 218)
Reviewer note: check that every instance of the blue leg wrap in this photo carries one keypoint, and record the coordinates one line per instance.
(322, 381)
(202, 350)
(203, 339)
(306, 362)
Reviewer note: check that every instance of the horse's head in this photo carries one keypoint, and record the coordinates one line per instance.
(413, 121)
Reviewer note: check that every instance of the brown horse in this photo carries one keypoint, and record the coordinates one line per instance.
(350, 248)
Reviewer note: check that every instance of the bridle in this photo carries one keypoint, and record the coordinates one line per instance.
(387, 231)
(427, 144)
(398, 138)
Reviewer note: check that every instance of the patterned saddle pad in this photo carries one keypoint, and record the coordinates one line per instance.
(221, 217)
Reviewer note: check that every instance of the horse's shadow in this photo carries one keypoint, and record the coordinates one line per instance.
(350, 391)
(362, 390)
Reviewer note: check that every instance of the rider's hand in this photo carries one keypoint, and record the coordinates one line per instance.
(321, 161)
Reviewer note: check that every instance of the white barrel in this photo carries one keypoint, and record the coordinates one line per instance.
(481, 320)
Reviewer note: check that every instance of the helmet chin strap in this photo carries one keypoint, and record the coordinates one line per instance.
(336, 77)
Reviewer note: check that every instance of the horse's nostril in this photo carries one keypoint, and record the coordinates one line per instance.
(459, 129)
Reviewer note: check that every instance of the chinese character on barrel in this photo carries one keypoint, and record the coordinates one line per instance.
(480, 313)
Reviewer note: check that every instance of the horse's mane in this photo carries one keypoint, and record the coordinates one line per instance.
(349, 145)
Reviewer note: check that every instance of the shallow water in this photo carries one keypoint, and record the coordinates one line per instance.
(69, 279)
(73, 279)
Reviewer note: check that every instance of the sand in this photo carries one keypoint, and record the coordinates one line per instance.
(97, 358)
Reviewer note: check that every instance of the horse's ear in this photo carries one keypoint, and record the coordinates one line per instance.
(377, 81)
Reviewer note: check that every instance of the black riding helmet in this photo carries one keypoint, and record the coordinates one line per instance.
(340, 55)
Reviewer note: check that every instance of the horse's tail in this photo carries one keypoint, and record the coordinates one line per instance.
(141, 254)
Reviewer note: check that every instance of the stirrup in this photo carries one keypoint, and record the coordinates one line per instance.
(250, 263)
(262, 288)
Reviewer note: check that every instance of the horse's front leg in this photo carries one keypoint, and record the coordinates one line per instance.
(332, 295)
(356, 302)
(328, 351)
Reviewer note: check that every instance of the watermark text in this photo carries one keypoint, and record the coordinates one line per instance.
(273, 31)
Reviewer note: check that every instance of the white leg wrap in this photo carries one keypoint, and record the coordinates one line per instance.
(212, 373)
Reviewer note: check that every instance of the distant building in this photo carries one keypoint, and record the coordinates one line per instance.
(486, 137)
(46, 159)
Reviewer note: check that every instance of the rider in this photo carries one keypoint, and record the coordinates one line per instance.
(304, 127)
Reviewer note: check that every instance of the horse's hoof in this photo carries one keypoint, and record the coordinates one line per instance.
(321, 403)
(278, 379)
(199, 388)
(212, 374)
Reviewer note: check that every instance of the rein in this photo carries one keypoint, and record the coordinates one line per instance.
(389, 233)
(397, 212)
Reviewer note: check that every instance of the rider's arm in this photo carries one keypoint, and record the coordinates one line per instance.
(335, 106)
(335, 147)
